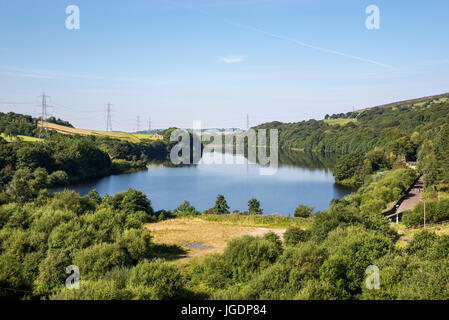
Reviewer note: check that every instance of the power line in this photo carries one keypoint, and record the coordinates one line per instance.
(109, 118)
(43, 124)
(138, 124)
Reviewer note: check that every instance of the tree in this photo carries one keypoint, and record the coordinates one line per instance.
(443, 152)
(254, 206)
(221, 206)
(187, 209)
(134, 201)
(303, 211)
(347, 166)
(19, 188)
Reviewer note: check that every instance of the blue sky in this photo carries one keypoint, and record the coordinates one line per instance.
(218, 60)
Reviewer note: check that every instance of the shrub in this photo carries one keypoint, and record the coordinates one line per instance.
(430, 282)
(58, 178)
(155, 280)
(436, 211)
(274, 238)
(186, 209)
(303, 211)
(136, 242)
(52, 272)
(95, 260)
(295, 235)
(247, 255)
(421, 243)
(137, 219)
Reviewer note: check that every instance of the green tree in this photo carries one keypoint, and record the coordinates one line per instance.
(221, 206)
(303, 211)
(186, 209)
(134, 201)
(254, 207)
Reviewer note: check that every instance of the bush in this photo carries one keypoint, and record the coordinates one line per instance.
(295, 235)
(274, 238)
(96, 260)
(247, 255)
(436, 211)
(421, 243)
(430, 282)
(352, 250)
(58, 178)
(302, 211)
(136, 242)
(186, 209)
(137, 219)
(155, 280)
(52, 272)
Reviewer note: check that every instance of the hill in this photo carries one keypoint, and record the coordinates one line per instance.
(399, 127)
(130, 137)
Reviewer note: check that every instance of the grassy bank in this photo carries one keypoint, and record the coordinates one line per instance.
(266, 221)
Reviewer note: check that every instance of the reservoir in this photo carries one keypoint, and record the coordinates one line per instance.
(301, 178)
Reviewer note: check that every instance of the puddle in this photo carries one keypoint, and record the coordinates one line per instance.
(197, 245)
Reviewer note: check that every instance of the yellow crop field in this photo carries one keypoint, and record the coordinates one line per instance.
(20, 138)
(131, 137)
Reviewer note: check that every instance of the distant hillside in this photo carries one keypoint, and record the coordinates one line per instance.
(131, 137)
(399, 127)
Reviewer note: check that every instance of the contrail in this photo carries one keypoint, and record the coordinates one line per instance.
(303, 44)
(281, 37)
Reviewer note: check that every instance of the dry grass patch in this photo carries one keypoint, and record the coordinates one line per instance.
(211, 235)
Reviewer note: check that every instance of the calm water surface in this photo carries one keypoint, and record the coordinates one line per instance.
(300, 179)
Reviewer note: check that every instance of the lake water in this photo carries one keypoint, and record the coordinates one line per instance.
(300, 179)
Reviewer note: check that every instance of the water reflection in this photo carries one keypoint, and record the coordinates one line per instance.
(302, 178)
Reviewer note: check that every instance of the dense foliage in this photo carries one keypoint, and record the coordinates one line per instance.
(397, 128)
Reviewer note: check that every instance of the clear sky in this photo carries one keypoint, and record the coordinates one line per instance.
(217, 60)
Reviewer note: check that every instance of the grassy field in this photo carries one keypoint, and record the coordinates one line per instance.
(131, 137)
(265, 221)
(339, 121)
(442, 229)
(22, 138)
(204, 235)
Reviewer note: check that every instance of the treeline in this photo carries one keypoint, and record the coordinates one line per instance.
(398, 128)
(13, 124)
